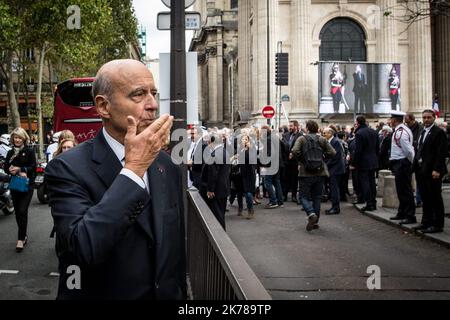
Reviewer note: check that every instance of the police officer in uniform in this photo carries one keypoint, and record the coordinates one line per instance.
(402, 158)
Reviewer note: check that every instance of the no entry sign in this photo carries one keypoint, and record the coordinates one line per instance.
(268, 112)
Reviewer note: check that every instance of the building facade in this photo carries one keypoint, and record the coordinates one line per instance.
(312, 31)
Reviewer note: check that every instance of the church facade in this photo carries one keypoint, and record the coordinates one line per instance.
(239, 40)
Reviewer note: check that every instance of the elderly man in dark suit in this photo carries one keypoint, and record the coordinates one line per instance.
(336, 168)
(215, 178)
(430, 168)
(116, 200)
(359, 90)
(365, 160)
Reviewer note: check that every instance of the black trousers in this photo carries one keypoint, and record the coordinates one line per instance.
(21, 203)
(218, 207)
(356, 188)
(291, 179)
(335, 181)
(403, 184)
(367, 186)
(433, 204)
(394, 100)
(337, 101)
(360, 103)
(343, 188)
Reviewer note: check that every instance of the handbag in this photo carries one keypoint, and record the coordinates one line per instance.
(19, 184)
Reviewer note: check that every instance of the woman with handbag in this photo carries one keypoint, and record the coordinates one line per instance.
(20, 163)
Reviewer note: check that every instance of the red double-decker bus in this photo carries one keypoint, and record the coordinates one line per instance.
(74, 109)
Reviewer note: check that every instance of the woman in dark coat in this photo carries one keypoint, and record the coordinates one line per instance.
(246, 184)
(21, 161)
(385, 149)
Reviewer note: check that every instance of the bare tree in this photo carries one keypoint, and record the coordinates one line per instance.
(411, 11)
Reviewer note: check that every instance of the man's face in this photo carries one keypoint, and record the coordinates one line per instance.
(327, 134)
(428, 119)
(133, 95)
(292, 128)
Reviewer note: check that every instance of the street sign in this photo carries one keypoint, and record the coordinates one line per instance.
(268, 112)
(193, 21)
(187, 3)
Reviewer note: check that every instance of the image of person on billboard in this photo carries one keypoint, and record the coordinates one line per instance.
(359, 90)
(337, 84)
(394, 88)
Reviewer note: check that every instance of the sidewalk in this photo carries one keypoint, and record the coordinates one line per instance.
(384, 215)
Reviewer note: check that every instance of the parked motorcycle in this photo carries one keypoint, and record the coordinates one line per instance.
(40, 184)
(6, 202)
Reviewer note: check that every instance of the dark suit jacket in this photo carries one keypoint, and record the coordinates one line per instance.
(360, 83)
(195, 173)
(434, 153)
(367, 148)
(128, 244)
(216, 176)
(25, 160)
(336, 165)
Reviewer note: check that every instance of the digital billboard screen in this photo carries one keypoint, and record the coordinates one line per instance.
(361, 88)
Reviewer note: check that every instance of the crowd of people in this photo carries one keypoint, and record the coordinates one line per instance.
(316, 164)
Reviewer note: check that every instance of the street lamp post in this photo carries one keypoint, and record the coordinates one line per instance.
(178, 95)
(268, 57)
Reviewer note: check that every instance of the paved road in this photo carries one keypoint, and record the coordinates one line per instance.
(34, 264)
(292, 264)
(332, 263)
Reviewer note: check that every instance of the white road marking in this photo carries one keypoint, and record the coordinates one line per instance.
(9, 271)
(54, 274)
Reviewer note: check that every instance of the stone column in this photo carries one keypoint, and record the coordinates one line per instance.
(300, 59)
(244, 52)
(441, 46)
(387, 50)
(420, 63)
(384, 101)
(219, 77)
(387, 41)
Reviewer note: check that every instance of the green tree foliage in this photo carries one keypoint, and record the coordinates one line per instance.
(107, 27)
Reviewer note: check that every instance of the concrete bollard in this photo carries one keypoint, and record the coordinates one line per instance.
(381, 175)
(390, 198)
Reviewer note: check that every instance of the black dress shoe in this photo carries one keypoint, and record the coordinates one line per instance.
(408, 221)
(369, 208)
(421, 227)
(432, 230)
(332, 211)
(397, 218)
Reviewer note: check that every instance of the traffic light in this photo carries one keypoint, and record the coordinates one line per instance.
(282, 69)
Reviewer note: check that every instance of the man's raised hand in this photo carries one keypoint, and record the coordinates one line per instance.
(142, 149)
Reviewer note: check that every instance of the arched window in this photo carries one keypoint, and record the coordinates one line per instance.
(343, 39)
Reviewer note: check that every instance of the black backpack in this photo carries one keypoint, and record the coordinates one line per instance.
(312, 155)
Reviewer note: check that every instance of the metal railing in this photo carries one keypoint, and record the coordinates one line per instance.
(216, 268)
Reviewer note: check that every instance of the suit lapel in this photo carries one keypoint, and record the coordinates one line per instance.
(158, 185)
(108, 167)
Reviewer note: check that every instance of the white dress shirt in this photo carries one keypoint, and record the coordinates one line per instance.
(119, 151)
(427, 132)
(402, 144)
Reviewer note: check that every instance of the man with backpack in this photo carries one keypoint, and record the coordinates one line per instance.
(311, 150)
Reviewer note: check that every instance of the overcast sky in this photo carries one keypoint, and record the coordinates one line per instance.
(157, 41)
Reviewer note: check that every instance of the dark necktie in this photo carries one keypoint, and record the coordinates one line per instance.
(421, 142)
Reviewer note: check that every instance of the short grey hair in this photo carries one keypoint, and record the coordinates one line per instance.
(102, 86)
(387, 129)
